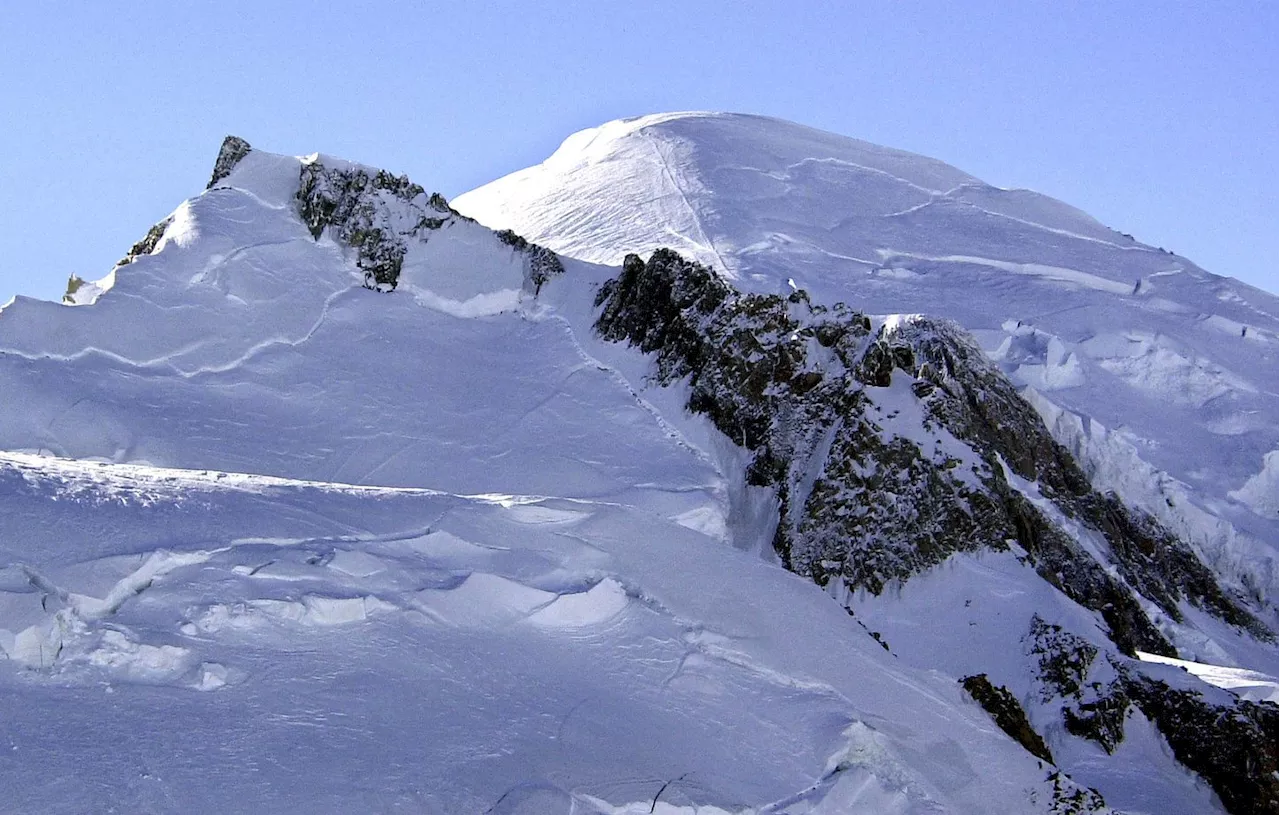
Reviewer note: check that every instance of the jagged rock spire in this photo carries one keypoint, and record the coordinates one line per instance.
(233, 149)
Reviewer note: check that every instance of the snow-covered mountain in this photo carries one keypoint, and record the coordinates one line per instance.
(1160, 377)
(328, 497)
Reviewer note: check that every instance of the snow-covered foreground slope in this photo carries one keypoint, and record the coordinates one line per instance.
(1160, 377)
(545, 616)
(196, 641)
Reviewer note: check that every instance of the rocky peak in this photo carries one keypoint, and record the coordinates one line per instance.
(231, 152)
(378, 214)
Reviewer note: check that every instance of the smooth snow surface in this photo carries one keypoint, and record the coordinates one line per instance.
(273, 542)
(1160, 377)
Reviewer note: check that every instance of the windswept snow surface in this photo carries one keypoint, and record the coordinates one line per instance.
(1160, 377)
(270, 541)
(196, 641)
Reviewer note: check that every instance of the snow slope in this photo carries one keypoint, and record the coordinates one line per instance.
(235, 643)
(272, 541)
(1160, 377)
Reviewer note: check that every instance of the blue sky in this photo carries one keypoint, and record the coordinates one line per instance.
(1158, 118)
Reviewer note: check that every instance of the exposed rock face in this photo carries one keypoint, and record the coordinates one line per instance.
(145, 246)
(1007, 714)
(543, 263)
(968, 395)
(354, 205)
(1230, 743)
(80, 291)
(232, 151)
(1064, 658)
(378, 214)
(1069, 798)
(867, 501)
(1232, 746)
(74, 284)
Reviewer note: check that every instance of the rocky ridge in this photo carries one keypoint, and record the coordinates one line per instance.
(376, 214)
(892, 447)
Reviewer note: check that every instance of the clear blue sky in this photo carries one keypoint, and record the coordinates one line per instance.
(1159, 118)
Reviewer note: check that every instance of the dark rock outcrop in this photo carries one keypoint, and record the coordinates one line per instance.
(543, 263)
(147, 245)
(353, 204)
(74, 283)
(815, 394)
(1231, 746)
(230, 154)
(1063, 659)
(378, 214)
(968, 395)
(1007, 714)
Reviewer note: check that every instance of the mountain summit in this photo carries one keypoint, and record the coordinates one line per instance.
(1160, 377)
(742, 193)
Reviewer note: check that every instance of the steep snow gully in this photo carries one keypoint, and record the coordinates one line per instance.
(329, 498)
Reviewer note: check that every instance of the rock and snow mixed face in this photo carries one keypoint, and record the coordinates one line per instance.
(280, 540)
(1159, 377)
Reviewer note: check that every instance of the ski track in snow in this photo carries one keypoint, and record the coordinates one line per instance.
(677, 185)
(671, 431)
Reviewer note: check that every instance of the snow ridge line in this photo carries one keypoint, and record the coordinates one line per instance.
(846, 163)
(88, 472)
(167, 361)
(947, 197)
(1058, 273)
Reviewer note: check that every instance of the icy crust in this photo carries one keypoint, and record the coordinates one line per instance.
(1252, 685)
(1230, 541)
(1261, 493)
